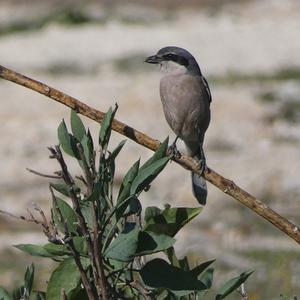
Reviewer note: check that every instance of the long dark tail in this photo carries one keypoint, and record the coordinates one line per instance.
(198, 182)
(199, 188)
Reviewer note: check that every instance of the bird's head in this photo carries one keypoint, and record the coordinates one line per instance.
(175, 60)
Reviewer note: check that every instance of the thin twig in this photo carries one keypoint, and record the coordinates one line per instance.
(6, 213)
(242, 292)
(225, 185)
(47, 227)
(43, 175)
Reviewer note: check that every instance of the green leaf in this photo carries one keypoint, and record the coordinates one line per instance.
(87, 204)
(159, 153)
(112, 229)
(87, 212)
(116, 151)
(66, 276)
(136, 243)
(150, 243)
(61, 188)
(151, 212)
(124, 191)
(34, 250)
(183, 294)
(200, 268)
(134, 207)
(160, 294)
(95, 196)
(88, 147)
(172, 257)
(67, 141)
(207, 277)
(147, 175)
(105, 130)
(80, 244)
(77, 126)
(231, 285)
(56, 250)
(4, 294)
(61, 250)
(64, 189)
(28, 280)
(124, 246)
(53, 250)
(64, 210)
(157, 273)
(171, 220)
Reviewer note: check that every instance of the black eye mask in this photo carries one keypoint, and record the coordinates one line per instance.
(176, 58)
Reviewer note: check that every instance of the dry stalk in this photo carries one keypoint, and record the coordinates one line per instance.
(99, 282)
(68, 240)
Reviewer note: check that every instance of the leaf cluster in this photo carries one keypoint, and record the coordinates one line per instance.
(102, 245)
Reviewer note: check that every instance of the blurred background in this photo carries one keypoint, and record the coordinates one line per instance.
(94, 50)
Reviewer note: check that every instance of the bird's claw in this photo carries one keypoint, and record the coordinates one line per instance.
(173, 151)
(201, 165)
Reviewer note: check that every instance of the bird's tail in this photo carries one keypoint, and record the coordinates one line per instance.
(199, 188)
(198, 182)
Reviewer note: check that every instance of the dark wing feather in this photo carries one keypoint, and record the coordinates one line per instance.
(207, 88)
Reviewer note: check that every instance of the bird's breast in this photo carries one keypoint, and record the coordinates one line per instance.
(171, 94)
(185, 104)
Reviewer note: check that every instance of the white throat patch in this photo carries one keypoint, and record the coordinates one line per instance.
(171, 67)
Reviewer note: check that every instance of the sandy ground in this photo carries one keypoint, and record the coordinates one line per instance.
(262, 157)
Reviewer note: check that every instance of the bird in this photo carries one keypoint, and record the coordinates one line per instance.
(186, 98)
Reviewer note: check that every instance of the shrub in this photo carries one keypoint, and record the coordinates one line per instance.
(101, 242)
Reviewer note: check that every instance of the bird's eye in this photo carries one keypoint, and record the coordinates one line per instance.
(169, 56)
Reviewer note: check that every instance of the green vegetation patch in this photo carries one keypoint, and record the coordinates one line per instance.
(233, 77)
(67, 16)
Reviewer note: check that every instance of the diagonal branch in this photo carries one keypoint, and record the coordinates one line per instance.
(225, 185)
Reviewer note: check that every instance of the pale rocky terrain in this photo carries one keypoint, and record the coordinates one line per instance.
(242, 49)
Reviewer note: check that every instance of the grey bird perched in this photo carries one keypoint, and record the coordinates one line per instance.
(186, 97)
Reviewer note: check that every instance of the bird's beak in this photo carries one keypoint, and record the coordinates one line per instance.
(154, 59)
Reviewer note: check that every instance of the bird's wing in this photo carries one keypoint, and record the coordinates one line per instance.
(207, 88)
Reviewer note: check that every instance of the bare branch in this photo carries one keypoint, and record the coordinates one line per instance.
(47, 227)
(242, 292)
(225, 185)
(43, 175)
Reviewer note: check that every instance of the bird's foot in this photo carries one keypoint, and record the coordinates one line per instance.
(173, 151)
(201, 161)
(201, 165)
